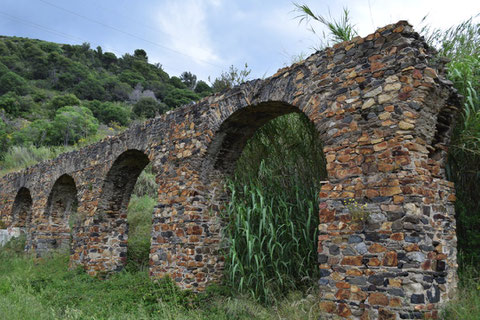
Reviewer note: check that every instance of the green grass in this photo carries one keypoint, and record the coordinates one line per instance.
(139, 219)
(466, 304)
(45, 289)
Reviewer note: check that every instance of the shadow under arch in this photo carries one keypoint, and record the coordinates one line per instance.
(234, 133)
(61, 208)
(107, 248)
(22, 209)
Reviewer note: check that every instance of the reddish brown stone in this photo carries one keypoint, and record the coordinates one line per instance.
(378, 299)
(343, 285)
(376, 248)
(390, 259)
(328, 306)
(411, 247)
(342, 294)
(374, 262)
(397, 236)
(384, 314)
(344, 310)
(352, 260)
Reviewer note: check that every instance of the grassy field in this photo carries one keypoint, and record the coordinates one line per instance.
(45, 289)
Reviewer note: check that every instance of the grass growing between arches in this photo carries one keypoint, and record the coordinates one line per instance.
(272, 215)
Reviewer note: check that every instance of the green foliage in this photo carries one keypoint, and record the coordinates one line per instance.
(461, 44)
(38, 78)
(148, 107)
(189, 80)
(229, 79)
(203, 89)
(21, 157)
(9, 102)
(64, 100)
(3, 137)
(10, 81)
(141, 54)
(140, 210)
(146, 184)
(45, 289)
(178, 97)
(466, 305)
(37, 133)
(90, 89)
(272, 216)
(72, 124)
(15, 246)
(338, 30)
(139, 218)
(115, 113)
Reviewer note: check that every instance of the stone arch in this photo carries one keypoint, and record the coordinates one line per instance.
(61, 208)
(227, 145)
(235, 131)
(22, 208)
(108, 239)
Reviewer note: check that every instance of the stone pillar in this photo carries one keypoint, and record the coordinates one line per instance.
(186, 232)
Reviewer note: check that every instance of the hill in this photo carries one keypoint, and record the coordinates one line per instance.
(59, 94)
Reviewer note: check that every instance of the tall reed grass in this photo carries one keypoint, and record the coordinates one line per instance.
(461, 45)
(272, 215)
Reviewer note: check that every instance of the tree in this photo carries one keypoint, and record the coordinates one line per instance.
(34, 134)
(10, 81)
(71, 124)
(141, 54)
(90, 89)
(148, 107)
(9, 102)
(177, 82)
(3, 137)
(203, 89)
(114, 112)
(339, 30)
(64, 100)
(178, 97)
(109, 58)
(189, 80)
(229, 79)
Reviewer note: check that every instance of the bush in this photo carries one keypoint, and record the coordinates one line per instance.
(22, 157)
(114, 113)
(72, 124)
(12, 82)
(62, 101)
(148, 107)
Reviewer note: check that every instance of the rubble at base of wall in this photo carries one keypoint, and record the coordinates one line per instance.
(9, 233)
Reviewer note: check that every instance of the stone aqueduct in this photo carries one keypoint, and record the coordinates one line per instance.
(384, 112)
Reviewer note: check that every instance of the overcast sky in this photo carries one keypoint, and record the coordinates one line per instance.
(207, 36)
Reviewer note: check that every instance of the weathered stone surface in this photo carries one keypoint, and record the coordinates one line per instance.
(384, 112)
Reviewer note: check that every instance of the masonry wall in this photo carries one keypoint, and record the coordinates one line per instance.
(384, 112)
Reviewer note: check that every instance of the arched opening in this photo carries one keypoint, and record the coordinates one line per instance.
(22, 209)
(61, 210)
(273, 162)
(19, 220)
(111, 225)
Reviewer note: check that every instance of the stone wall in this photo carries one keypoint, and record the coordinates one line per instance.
(384, 112)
